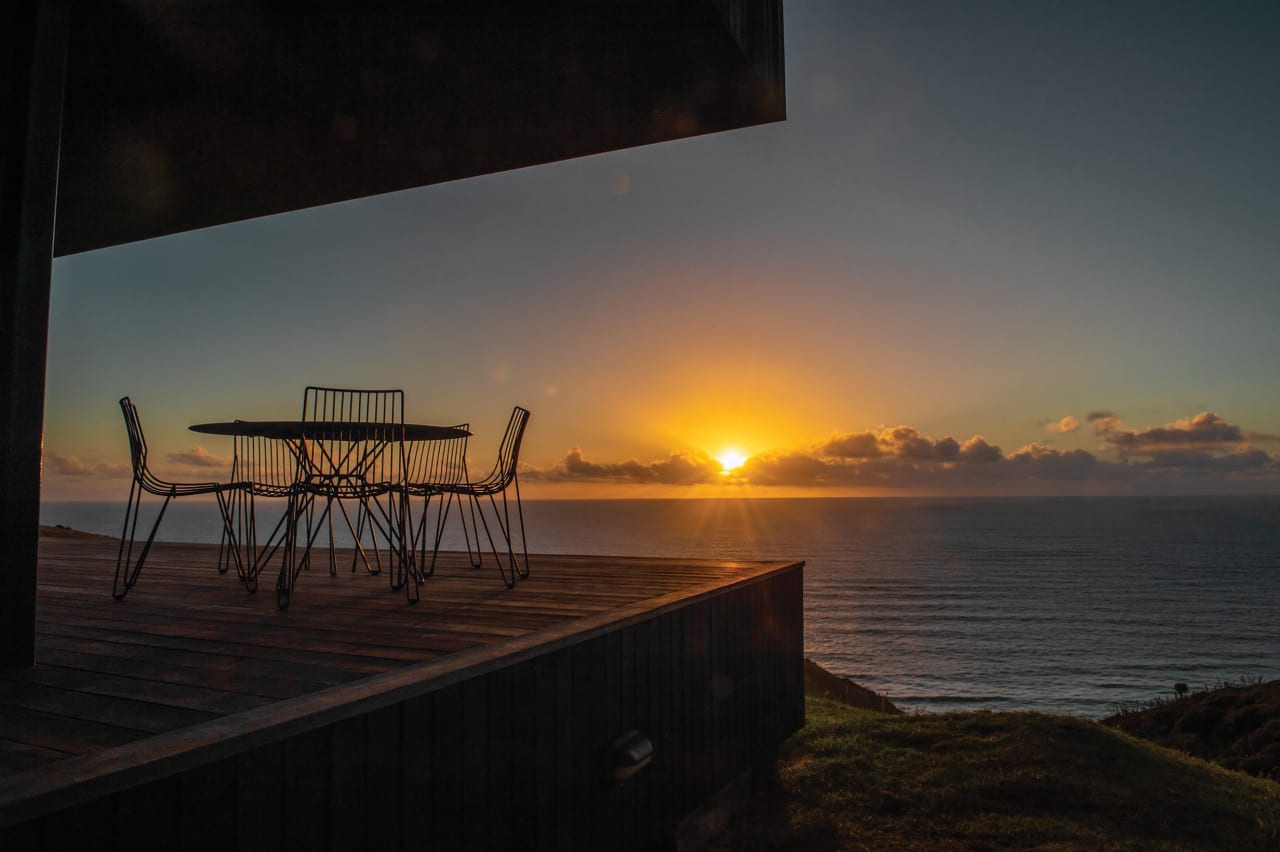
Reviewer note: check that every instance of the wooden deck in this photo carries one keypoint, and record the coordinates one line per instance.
(189, 671)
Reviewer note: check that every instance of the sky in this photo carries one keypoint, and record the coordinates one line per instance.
(996, 248)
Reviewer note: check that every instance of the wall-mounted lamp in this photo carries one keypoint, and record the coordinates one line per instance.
(629, 753)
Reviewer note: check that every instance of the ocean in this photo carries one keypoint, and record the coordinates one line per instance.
(1063, 605)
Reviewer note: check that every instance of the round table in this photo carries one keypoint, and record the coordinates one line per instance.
(328, 430)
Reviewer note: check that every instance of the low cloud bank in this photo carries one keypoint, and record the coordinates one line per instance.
(53, 464)
(678, 469)
(198, 456)
(1200, 451)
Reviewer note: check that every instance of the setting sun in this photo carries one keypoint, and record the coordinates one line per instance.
(730, 460)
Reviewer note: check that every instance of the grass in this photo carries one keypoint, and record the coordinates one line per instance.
(859, 779)
(1234, 724)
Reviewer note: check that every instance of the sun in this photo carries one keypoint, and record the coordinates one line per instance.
(730, 459)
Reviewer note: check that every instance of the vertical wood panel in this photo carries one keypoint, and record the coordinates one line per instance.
(84, 828)
(383, 771)
(260, 798)
(793, 610)
(585, 686)
(208, 809)
(147, 816)
(500, 751)
(721, 686)
(525, 754)
(477, 807)
(566, 753)
(641, 694)
(672, 699)
(24, 837)
(688, 715)
(545, 787)
(607, 813)
(33, 54)
(703, 740)
(417, 793)
(449, 765)
(596, 701)
(306, 803)
(345, 815)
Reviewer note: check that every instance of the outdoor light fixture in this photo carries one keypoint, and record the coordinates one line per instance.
(629, 754)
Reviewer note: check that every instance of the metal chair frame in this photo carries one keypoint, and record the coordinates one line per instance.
(337, 466)
(145, 481)
(503, 477)
(431, 467)
(270, 468)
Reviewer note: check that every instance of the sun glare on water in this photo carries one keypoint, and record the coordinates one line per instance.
(730, 460)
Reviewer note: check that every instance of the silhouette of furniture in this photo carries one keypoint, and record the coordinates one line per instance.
(503, 477)
(430, 468)
(144, 480)
(331, 461)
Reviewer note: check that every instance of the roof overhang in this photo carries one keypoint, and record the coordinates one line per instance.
(182, 115)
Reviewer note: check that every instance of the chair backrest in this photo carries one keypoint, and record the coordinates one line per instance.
(509, 450)
(267, 466)
(437, 463)
(349, 451)
(137, 440)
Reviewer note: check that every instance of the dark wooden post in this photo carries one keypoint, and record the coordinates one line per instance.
(34, 52)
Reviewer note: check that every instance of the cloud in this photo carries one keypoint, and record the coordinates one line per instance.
(859, 445)
(977, 450)
(796, 469)
(1052, 463)
(56, 465)
(1102, 414)
(53, 464)
(1103, 425)
(680, 468)
(198, 456)
(1206, 429)
(905, 442)
(1200, 460)
(1066, 424)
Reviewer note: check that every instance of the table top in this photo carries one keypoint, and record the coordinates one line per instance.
(326, 430)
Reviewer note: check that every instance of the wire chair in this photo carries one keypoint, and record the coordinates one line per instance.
(504, 476)
(351, 450)
(127, 570)
(270, 468)
(430, 468)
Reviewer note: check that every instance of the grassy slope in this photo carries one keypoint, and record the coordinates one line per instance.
(1237, 726)
(857, 779)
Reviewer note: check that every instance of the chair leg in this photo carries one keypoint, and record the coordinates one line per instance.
(524, 543)
(290, 564)
(518, 570)
(475, 527)
(504, 523)
(508, 579)
(442, 517)
(246, 520)
(122, 584)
